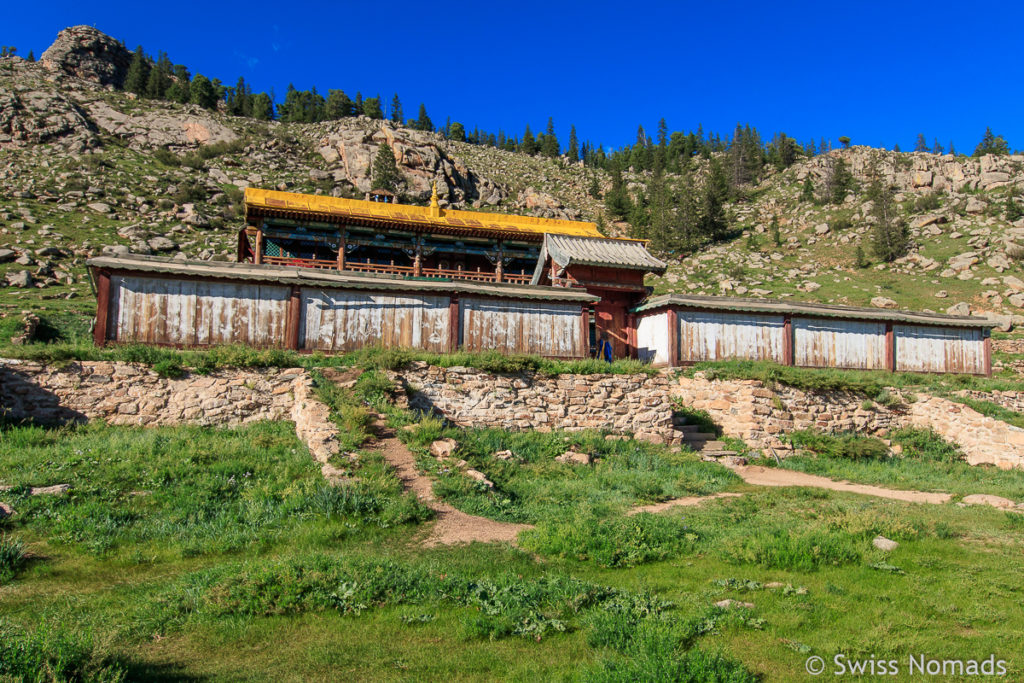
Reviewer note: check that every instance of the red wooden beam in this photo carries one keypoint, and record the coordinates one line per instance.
(788, 357)
(453, 324)
(890, 348)
(294, 318)
(673, 338)
(631, 344)
(99, 334)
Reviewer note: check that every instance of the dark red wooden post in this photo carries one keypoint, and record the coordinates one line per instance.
(673, 338)
(453, 324)
(788, 357)
(988, 353)
(294, 318)
(99, 335)
(631, 335)
(890, 348)
(584, 349)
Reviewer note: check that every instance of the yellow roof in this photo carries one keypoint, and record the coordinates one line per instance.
(415, 215)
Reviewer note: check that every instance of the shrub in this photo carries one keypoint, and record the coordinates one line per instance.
(169, 368)
(851, 446)
(924, 444)
(612, 542)
(53, 654)
(12, 557)
(783, 549)
(166, 157)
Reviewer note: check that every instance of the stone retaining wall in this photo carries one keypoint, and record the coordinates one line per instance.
(748, 410)
(132, 394)
(621, 403)
(1011, 400)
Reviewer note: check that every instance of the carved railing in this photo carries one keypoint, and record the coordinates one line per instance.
(389, 269)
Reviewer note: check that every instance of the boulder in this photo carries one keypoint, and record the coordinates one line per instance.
(7, 255)
(55, 490)
(19, 278)
(115, 250)
(504, 455)
(443, 448)
(961, 308)
(575, 458)
(100, 207)
(6, 511)
(480, 477)
(884, 544)
(975, 205)
(161, 244)
(1014, 283)
(992, 501)
(729, 603)
(883, 302)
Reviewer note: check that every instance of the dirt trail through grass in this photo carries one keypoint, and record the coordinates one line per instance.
(769, 476)
(679, 502)
(453, 526)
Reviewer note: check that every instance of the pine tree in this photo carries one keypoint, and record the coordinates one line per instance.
(385, 171)
(202, 92)
(179, 91)
(574, 146)
(844, 141)
(952, 149)
(159, 79)
(991, 144)
(807, 192)
(860, 259)
(549, 145)
(457, 132)
(713, 221)
(371, 108)
(617, 200)
(594, 190)
(423, 121)
(889, 235)
(838, 181)
(138, 73)
(357, 105)
(262, 107)
(338, 105)
(1012, 210)
(31, 56)
(921, 145)
(528, 145)
(396, 110)
(937, 147)
(239, 99)
(896, 147)
(776, 232)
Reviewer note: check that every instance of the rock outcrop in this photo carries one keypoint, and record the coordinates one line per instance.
(87, 53)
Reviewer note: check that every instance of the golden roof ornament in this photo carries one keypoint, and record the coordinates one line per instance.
(435, 208)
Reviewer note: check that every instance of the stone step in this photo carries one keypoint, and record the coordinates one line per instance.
(716, 453)
(698, 436)
(714, 446)
(686, 428)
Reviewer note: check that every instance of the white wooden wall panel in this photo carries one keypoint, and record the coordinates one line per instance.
(546, 329)
(839, 343)
(721, 336)
(923, 348)
(652, 339)
(338, 320)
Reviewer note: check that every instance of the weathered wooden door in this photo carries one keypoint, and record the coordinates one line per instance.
(610, 321)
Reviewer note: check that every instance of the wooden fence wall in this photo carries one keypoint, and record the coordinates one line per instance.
(677, 336)
(194, 312)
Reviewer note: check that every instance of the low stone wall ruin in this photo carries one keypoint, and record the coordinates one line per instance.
(620, 403)
(757, 414)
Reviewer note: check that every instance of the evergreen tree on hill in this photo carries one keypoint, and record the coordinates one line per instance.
(202, 92)
(457, 132)
(159, 79)
(337, 106)
(921, 145)
(528, 145)
(179, 90)
(138, 73)
(385, 171)
(423, 121)
(262, 107)
(574, 146)
(617, 200)
(889, 235)
(549, 145)
(372, 108)
(396, 110)
(991, 144)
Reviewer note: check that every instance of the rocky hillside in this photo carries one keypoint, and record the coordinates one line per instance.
(86, 168)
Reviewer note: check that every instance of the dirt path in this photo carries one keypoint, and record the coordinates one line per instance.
(679, 502)
(770, 476)
(452, 526)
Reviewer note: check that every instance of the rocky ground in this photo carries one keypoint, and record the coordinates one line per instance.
(86, 169)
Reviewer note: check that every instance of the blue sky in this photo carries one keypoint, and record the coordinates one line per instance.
(878, 72)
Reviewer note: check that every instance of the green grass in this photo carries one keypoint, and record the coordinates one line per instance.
(927, 463)
(533, 487)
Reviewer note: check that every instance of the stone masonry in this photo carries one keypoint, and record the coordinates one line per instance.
(620, 403)
(757, 414)
(131, 394)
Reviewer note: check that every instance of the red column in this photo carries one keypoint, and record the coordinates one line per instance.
(631, 350)
(890, 348)
(584, 347)
(673, 338)
(988, 354)
(294, 318)
(453, 324)
(787, 341)
(99, 335)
